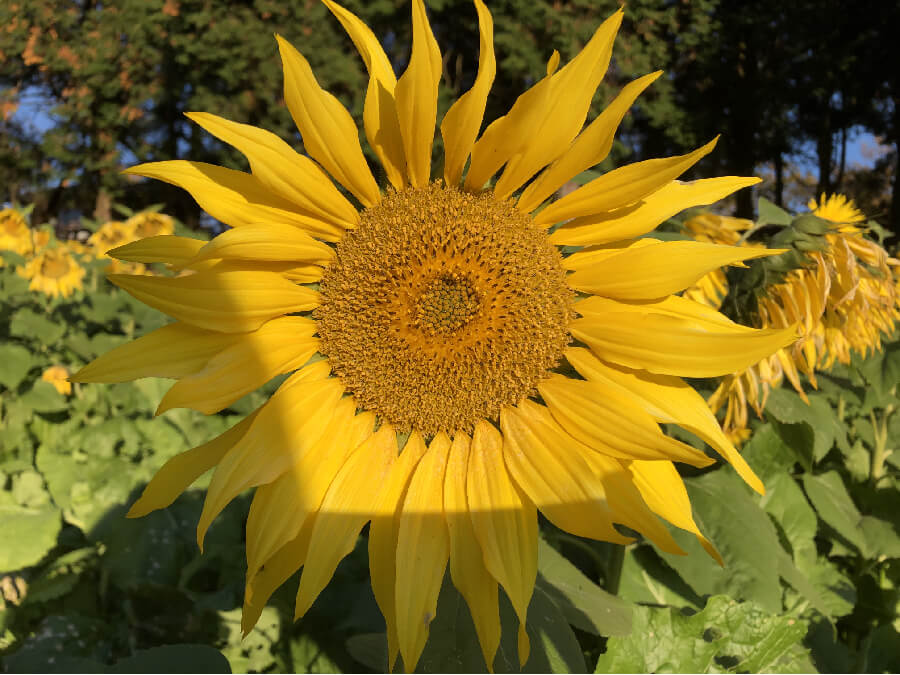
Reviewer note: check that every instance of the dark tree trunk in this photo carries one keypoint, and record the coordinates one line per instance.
(842, 163)
(824, 151)
(779, 179)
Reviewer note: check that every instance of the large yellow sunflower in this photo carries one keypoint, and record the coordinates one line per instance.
(441, 310)
(15, 235)
(54, 272)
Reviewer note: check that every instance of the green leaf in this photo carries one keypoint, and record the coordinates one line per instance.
(185, 658)
(43, 397)
(833, 503)
(768, 454)
(15, 362)
(787, 406)
(786, 503)
(585, 605)
(770, 214)
(648, 580)
(31, 326)
(726, 635)
(881, 536)
(743, 534)
(28, 535)
(60, 576)
(28, 490)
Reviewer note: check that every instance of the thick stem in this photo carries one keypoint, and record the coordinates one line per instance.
(614, 569)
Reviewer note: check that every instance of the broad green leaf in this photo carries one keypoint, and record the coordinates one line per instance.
(27, 535)
(144, 550)
(43, 397)
(60, 576)
(585, 605)
(770, 214)
(15, 362)
(648, 580)
(256, 652)
(31, 326)
(833, 503)
(882, 536)
(786, 503)
(726, 635)
(742, 532)
(768, 454)
(183, 658)
(28, 490)
(308, 656)
(786, 406)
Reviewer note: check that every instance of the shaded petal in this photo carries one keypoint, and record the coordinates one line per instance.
(283, 170)
(542, 459)
(289, 424)
(668, 399)
(646, 215)
(416, 97)
(266, 242)
(690, 344)
(462, 121)
(663, 268)
(164, 248)
(587, 258)
(383, 533)
(529, 140)
(602, 418)
(234, 197)
(663, 490)
(174, 350)
(380, 115)
(230, 302)
(423, 548)
(505, 523)
(180, 471)
(589, 149)
(348, 505)
(330, 135)
(280, 508)
(467, 569)
(621, 187)
(279, 346)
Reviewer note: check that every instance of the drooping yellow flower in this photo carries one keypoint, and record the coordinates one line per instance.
(442, 309)
(844, 301)
(112, 235)
(58, 376)
(15, 235)
(712, 288)
(150, 224)
(54, 272)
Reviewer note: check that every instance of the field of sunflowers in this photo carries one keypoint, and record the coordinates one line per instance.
(809, 572)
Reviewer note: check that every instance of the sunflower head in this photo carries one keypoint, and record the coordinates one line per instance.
(439, 306)
(58, 376)
(54, 272)
(837, 208)
(150, 224)
(15, 235)
(108, 236)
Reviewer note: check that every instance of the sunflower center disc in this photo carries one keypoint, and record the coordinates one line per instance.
(441, 307)
(53, 267)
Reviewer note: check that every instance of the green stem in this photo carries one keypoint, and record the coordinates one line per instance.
(614, 569)
(882, 451)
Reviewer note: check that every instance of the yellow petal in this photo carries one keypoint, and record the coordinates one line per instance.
(282, 170)
(462, 121)
(602, 418)
(423, 548)
(279, 346)
(380, 115)
(230, 302)
(669, 400)
(589, 149)
(592, 256)
(330, 135)
(279, 567)
(383, 533)
(280, 508)
(234, 197)
(621, 187)
(642, 336)
(266, 242)
(544, 461)
(467, 569)
(175, 350)
(646, 215)
(183, 469)
(505, 523)
(164, 248)
(663, 490)
(546, 132)
(348, 505)
(660, 269)
(416, 96)
(289, 424)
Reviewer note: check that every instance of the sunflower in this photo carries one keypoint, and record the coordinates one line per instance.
(15, 235)
(58, 376)
(111, 235)
(150, 224)
(439, 311)
(54, 272)
(712, 288)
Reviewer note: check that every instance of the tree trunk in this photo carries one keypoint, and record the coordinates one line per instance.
(824, 150)
(842, 163)
(779, 179)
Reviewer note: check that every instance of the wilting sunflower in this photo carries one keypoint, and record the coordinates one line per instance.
(442, 309)
(53, 271)
(712, 288)
(58, 376)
